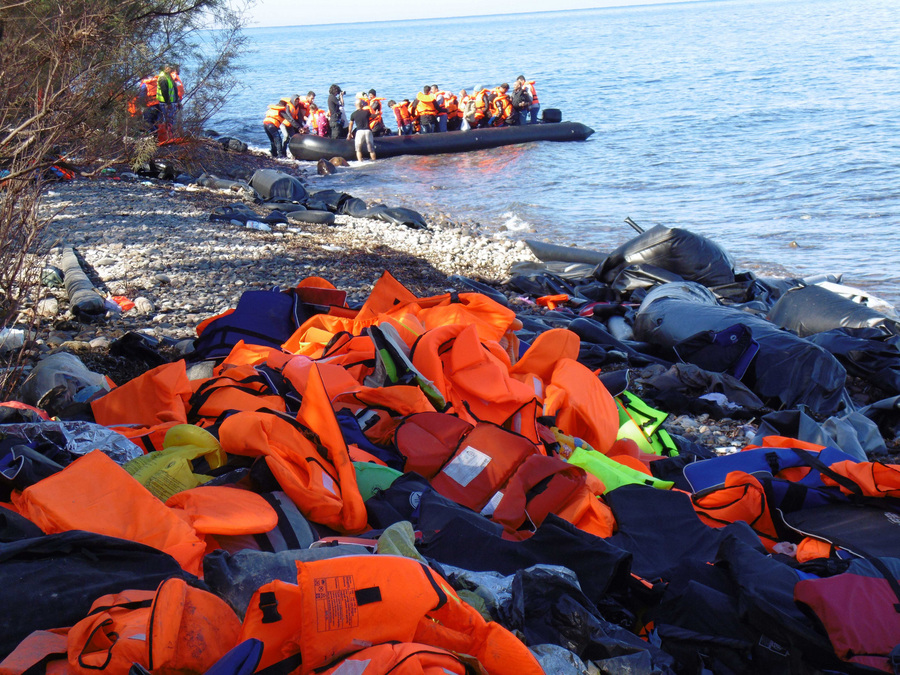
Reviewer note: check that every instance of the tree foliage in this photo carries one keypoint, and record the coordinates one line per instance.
(68, 69)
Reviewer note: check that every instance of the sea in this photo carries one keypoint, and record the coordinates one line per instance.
(769, 126)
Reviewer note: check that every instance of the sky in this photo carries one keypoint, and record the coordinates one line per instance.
(289, 13)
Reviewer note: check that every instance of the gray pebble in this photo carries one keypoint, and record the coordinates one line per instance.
(48, 307)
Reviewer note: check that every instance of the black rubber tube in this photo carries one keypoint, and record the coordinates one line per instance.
(312, 217)
(314, 148)
(553, 252)
(83, 297)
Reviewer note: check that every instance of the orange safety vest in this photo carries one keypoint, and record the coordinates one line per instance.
(340, 604)
(425, 104)
(312, 467)
(273, 114)
(374, 113)
(150, 83)
(740, 497)
(544, 485)
(582, 405)
(481, 103)
(502, 106)
(401, 112)
(95, 494)
(179, 85)
(293, 110)
(175, 629)
(473, 376)
(414, 116)
(451, 103)
(465, 462)
(532, 91)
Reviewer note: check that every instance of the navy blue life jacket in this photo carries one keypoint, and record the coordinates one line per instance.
(266, 318)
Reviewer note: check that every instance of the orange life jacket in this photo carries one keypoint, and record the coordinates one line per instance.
(425, 104)
(95, 494)
(502, 107)
(472, 374)
(339, 604)
(294, 110)
(150, 83)
(465, 462)
(175, 629)
(274, 114)
(741, 497)
(374, 112)
(451, 103)
(159, 395)
(237, 388)
(544, 485)
(401, 112)
(482, 100)
(179, 85)
(534, 97)
(582, 405)
(313, 468)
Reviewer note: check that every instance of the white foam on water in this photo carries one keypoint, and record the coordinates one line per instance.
(513, 223)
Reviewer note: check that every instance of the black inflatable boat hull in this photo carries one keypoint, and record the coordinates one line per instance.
(314, 148)
(555, 253)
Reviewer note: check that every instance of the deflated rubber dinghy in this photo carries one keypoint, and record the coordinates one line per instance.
(314, 148)
(787, 369)
(808, 310)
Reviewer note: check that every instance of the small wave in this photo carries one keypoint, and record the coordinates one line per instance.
(513, 223)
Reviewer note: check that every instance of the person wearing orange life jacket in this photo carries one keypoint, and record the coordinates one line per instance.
(454, 114)
(501, 107)
(414, 116)
(179, 91)
(482, 105)
(440, 107)
(426, 111)
(401, 114)
(304, 104)
(294, 108)
(535, 103)
(317, 121)
(276, 117)
(376, 122)
(147, 98)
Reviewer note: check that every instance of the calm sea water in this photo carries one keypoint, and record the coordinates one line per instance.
(771, 126)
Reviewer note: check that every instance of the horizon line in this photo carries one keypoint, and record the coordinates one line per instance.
(485, 16)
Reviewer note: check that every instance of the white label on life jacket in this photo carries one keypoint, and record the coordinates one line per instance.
(352, 667)
(328, 484)
(465, 467)
(492, 505)
(336, 606)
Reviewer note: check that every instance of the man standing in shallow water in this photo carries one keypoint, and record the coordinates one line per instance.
(363, 135)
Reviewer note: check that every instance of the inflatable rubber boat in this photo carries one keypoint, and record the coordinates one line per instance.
(314, 148)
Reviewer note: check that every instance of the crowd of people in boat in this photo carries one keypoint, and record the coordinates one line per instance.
(432, 110)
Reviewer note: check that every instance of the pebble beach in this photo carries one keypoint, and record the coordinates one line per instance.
(153, 242)
(156, 241)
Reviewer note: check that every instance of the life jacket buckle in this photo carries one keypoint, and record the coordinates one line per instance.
(268, 605)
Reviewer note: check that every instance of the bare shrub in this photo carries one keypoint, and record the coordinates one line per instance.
(68, 70)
